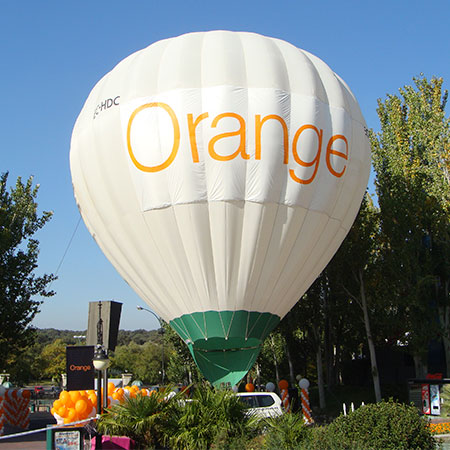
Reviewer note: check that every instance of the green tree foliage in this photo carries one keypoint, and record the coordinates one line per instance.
(181, 367)
(143, 361)
(19, 250)
(53, 360)
(411, 157)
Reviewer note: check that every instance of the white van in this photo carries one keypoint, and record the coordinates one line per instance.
(262, 404)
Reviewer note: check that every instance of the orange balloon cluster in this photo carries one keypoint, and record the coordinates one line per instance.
(73, 406)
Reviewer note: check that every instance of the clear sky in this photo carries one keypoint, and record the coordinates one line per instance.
(53, 52)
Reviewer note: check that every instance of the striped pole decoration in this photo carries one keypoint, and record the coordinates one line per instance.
(284, 385)
(306, 407)
(15, 408)
(2, 416)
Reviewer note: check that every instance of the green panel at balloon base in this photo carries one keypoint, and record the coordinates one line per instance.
(225, 344)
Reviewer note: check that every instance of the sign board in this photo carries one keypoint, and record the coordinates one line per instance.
(110, 320)
(79, 367)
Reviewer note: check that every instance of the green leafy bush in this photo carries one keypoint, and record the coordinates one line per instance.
(287, 431)
(385, 425)
(147, 420)
(212, 419)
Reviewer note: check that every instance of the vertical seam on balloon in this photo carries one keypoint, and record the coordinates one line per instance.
(247, 168)
(163, 261)
(175, 324)
(206, 181)
(221, 322)
(229, 328)
(246, 327)
(204, 276)
(288, 124)
(186, 287)
(186, 328)
(312, 251)
(226, 253)
(250, 359)
(198, 326)
(287, 259)
(265, 254)
(204, 324)
(256, 321)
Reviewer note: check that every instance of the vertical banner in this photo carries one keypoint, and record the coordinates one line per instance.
(79, 367)
(426, 399)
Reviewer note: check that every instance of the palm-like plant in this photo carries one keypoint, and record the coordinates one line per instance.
(211, 417)
(285, 431)
(145, 419)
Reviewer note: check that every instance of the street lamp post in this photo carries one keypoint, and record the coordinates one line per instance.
(141, 308)
(101, 363)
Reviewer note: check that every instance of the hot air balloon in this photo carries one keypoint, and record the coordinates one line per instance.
(219, 172)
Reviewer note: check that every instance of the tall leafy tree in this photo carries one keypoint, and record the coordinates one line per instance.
(411, 156)
(19, 250)
(356, 269)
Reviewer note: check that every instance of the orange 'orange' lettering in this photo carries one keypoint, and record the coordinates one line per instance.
(258, 126)
(192, 125)
(300, 161)
(330, 151)
(176, 137)
(240, 132)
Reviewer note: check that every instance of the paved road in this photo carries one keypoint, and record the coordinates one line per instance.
(35, 441)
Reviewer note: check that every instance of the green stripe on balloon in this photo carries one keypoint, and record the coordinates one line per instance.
(225, 344)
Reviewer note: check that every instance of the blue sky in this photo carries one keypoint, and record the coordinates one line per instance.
(53, 52)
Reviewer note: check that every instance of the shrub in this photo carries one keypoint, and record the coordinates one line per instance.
(147, 420)
(287, 431)
(212, 418)
(385, 425)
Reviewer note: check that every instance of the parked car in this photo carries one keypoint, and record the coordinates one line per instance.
(262, 404)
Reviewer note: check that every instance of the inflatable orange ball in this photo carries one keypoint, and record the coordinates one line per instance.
(111, 388)
(250, 387)
(74, 396)
(283, 384)
(62, 411)
(64, 396)
(81, 406)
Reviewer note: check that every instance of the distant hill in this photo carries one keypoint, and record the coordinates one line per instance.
(46, 336)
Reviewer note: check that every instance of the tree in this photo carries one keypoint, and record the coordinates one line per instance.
(19, 250)
(53, 360)
(411, 156)
(357, 260)
(143, 361)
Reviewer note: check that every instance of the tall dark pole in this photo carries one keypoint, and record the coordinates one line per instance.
(98, 437)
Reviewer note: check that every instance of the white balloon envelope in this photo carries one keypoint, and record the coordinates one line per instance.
(219, 172)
